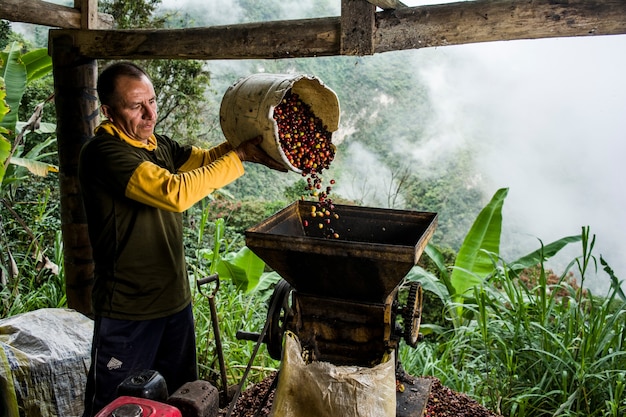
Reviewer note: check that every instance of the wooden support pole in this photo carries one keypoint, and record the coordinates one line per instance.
(88, 13)
(77, 116)
(357, 27)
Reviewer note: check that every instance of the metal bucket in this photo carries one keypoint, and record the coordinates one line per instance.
(247, 108)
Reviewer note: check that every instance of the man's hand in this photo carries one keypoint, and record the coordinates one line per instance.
(250, 151)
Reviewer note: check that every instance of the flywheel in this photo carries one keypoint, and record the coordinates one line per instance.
(412, 314)
(278, 314)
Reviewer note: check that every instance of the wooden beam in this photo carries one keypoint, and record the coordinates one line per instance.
(48, 14)
(357, 27)
(284, 39)
(497, 20)
(407, 28)
(387, 4)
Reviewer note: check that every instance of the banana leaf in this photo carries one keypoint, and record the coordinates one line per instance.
(5, 150)
(38, 64)
(38, 168)
(244, 268)
(13, 70)
(542, 254)
(475, 262)
(4, 106)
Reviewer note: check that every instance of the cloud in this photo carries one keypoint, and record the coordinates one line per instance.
(367, 181)
(550, 118)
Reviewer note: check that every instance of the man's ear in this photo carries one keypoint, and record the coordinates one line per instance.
(106, 110)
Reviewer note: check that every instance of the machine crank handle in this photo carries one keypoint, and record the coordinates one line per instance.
(249, 336)
(216, 330)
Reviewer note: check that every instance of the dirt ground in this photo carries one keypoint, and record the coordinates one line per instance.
(256, 401)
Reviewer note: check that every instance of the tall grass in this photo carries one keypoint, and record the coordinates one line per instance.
(236, 311)
(40, 283)
(540, 348)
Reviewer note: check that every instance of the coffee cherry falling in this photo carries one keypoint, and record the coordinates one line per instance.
(306, 142)
(322, 213)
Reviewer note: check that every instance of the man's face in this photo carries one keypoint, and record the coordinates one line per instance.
(135, 110)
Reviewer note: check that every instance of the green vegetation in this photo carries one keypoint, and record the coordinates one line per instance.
(31, 245)
(520, 339)
(523, 341)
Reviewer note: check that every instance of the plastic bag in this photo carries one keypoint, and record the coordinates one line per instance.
(44, 358)
(321, 389)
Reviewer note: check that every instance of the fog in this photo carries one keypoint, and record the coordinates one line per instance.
(551, 118)
(546, 118)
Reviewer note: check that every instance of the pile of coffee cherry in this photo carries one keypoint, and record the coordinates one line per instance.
(306, 142)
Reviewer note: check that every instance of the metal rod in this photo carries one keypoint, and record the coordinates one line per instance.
(216, 329)
(245, 373)
(218, 346)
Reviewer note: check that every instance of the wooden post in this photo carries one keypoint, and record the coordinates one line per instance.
(357, 27)
(77, 116)
(88, 13)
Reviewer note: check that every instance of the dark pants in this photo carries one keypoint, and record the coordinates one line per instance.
(120, 347)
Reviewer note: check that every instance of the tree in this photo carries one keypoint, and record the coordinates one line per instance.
(17, 70)
(180, 85)
(5, 29)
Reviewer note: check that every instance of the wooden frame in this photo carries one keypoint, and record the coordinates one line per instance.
(360, 31)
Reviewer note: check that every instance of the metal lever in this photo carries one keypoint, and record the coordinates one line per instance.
(216, 329)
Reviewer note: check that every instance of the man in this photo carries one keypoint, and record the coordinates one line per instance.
(135, 184)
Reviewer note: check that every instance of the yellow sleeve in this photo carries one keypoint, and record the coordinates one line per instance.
(157, 187)
(200, 157)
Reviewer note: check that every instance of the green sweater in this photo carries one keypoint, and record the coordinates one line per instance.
(134, 195)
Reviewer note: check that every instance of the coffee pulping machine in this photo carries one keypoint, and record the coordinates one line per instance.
(340, 296)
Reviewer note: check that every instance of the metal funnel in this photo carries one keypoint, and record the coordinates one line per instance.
(376, 249)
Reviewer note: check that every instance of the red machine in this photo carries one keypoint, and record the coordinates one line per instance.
(144, 394)
(125, 406)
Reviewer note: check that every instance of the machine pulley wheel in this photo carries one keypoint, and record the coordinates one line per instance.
(278, 315)
(412, 314)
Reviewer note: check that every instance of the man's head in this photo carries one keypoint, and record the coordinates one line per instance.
(128, 99)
